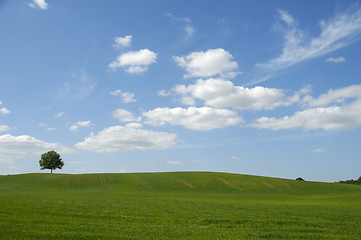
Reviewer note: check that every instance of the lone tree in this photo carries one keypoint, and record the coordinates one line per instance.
(51, 160)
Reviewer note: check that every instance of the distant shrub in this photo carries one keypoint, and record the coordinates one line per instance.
(300, 179)
(358, 181)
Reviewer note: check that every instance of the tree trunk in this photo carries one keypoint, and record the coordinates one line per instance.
(51, 171)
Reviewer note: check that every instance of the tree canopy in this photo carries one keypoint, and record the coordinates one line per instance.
(51, 160)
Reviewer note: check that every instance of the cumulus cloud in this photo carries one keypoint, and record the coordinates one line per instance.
(4, 110)
(334, 96)
(127, 97)
(42, 4)
(27, 145)
(206, 64)
(125, 116)
(120, 42)
(79, 124)
(4, 128)
(223, 93)
(336, 33)
(117, 138)
(134, 61)
(336, 60)
(330, 112)
(201, 119)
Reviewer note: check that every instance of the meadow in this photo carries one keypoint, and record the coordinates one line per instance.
(179, 205)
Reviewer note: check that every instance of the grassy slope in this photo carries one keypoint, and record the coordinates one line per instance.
(178, 205)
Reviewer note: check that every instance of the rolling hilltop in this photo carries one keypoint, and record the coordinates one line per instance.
(167, 182)
(178, 205)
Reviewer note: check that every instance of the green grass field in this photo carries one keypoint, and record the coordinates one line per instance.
(181, 205)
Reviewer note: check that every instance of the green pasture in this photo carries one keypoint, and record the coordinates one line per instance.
(181, 205)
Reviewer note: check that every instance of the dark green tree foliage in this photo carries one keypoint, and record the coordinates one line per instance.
(51, 160)
(358, 181)
(300, 179)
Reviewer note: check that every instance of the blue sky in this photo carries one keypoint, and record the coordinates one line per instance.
(269, 88)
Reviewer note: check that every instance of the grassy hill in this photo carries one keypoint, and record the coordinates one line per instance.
(180, 205)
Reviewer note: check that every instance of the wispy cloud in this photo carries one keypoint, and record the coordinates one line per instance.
(336, 33)
(81, 86)
(318, 150)
(42, 4)
(336, 60)
(174, 163)
(59, 115)
(188, 27)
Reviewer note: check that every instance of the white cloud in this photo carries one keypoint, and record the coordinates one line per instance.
(134, 62)
(122, 41)
(5, 159)
(42, 4)
(336, 96)
(188, 28)
(223, 93)
(318, 150)
(117, 138)
(59, 115)
(27, 145)
(201, 119)
(339, 32)
(4, 111)
(4, 128)
(174, 163)
(163, 93)
(286, 17)
(206, 64)
(336, 60)
(46, 126)
(127, 97)
(79, 124)
(236, 158)
(133, 125)
(125, 116)
(81, 87)
(340, 115)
